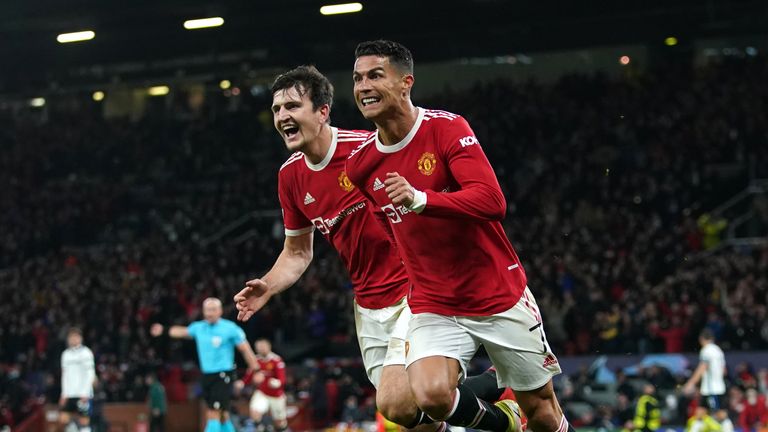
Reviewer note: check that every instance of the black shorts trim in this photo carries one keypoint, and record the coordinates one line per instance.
(75, 406)
(712, 402)
(217, 389)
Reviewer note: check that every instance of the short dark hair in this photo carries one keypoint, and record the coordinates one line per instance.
(707, 334)
(397, 54)
(306, 79)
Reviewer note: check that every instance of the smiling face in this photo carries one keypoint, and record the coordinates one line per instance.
(296, 119)
(380, 87)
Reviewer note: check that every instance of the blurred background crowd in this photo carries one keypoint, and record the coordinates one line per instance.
(613, 186)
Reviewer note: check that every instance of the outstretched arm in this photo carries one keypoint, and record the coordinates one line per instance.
(178, 332)
(288, 268)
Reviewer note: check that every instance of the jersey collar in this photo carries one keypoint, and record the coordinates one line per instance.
(405, 141)
(328, 156)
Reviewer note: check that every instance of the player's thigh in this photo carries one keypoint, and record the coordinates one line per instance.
(438, 350)
(380, 335)
(258, 403)
(517, 345)
(278, 408)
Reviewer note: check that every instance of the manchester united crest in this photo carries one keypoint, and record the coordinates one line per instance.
(344, 182)
(427, 163)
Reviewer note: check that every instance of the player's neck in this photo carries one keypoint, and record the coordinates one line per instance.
(316, 150)
(392, 130)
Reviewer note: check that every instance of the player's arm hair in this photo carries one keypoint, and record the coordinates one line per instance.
(179, 332)
(291, 264)
(247, 352)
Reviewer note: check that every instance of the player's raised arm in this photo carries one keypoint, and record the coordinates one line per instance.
(177, 332)
(288, 268)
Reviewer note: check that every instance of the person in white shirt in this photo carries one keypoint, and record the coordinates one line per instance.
(78, 376)
(711, 373)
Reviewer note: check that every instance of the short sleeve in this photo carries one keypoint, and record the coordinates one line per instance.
(295, 222)
(238, 335)
(193, 328)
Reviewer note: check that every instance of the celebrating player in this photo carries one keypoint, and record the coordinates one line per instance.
(315, 193)
(216, 339)
(78, 376)
(427, 171)
(269, 396)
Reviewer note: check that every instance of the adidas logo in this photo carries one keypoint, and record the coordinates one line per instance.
(308, 199)
(377, 184)
(550, 360)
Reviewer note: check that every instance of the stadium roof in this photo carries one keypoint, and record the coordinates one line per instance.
(288, 32)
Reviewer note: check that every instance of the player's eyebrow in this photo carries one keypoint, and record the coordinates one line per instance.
(366, 72)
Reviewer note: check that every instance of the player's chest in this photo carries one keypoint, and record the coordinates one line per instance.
(423, 167)
(327, 197)
(267, 366)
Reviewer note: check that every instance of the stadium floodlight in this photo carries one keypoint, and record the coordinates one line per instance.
(203, 23)
(624, 60)
(37, 102)
(341, 8)
(670, 41)
(98, 96)
(225, 84)
(76, 36)
(158, 90)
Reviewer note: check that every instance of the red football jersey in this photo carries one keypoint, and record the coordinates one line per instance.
(273, 368)
(458, 257)
(322, 197)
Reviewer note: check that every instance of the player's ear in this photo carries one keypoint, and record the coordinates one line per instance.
(408, 80)
(325, 112)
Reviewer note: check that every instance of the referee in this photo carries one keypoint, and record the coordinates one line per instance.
(216, 339)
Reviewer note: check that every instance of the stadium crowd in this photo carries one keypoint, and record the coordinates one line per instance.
(112, 225)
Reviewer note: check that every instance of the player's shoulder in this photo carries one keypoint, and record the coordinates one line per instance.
(291, 161)
(352, 135)
(274, 357)
(363, 144)
(437, 116)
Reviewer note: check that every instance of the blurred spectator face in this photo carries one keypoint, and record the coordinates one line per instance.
(74, 339)
(752, 396)
(212, 309)
(263, 347)
(700, 412)
(380, 84)
(296, 119)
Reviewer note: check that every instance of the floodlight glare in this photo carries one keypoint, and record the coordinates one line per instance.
(341, 8)
(76, 36)
(203, 23)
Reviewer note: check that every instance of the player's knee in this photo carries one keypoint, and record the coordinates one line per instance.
(401, 410)
(434, 398)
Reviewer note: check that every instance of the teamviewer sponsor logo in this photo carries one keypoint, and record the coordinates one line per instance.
(395, 213)
(325, 225)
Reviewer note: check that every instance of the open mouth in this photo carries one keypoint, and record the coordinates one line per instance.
(290, 130)
(367, 101)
